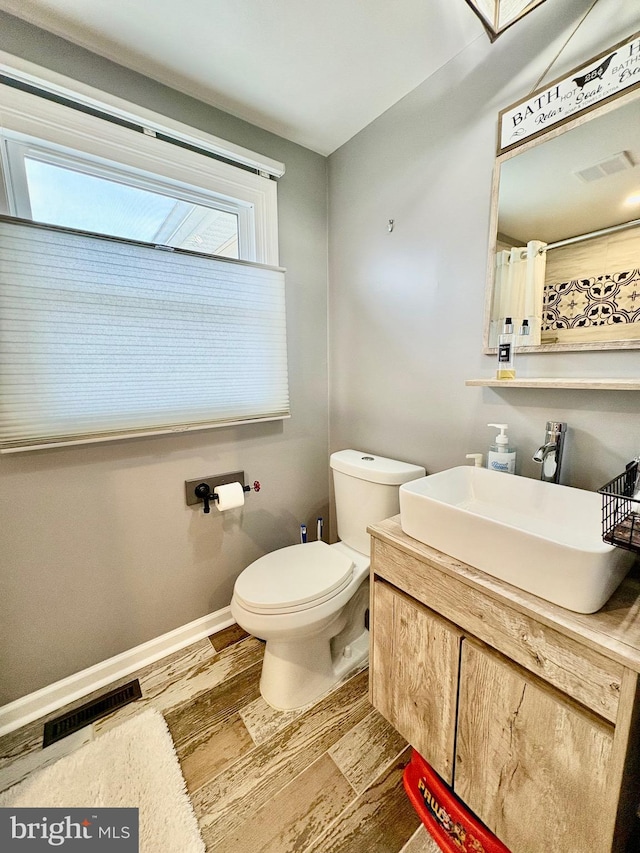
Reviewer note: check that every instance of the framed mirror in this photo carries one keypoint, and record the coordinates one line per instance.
(564, 249)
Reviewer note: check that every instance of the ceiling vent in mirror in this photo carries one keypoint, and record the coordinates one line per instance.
(497, 15)
(611, 166)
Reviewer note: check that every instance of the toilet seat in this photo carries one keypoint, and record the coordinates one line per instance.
(294, 578)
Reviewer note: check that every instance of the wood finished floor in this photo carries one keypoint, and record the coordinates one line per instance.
(326, 779)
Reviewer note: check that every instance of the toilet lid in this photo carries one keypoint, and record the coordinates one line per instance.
(293, 578)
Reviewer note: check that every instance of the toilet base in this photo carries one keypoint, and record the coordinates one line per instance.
(308, 651)
(295, 674)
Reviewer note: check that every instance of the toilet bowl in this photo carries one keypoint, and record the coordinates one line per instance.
(309, 603)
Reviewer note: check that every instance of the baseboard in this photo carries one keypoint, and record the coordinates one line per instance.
(60, 693)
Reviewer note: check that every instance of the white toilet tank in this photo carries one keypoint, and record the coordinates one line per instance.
(366, 491)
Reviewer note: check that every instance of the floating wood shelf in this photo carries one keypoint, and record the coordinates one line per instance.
(588, 384)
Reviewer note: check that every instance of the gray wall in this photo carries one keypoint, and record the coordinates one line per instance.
(99, 552)
(406, 307)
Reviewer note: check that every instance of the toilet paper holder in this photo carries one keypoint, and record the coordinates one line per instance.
(203, 490)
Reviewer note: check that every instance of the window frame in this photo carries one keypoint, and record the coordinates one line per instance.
(15, 147)
(99, 126)
(71, 122)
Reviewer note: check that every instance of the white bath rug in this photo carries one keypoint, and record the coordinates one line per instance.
(132, 766)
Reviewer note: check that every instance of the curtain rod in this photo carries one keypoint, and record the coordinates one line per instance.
(631, 224)
(26, 77)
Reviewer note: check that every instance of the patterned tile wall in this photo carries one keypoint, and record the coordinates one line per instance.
(598, 301)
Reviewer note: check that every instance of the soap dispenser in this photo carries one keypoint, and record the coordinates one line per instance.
(502, 455)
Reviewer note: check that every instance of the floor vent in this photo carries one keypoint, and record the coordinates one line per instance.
(74, 720)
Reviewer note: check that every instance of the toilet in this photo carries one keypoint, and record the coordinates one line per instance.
(309, 602)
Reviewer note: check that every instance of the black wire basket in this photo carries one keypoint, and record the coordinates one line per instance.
(621, 510)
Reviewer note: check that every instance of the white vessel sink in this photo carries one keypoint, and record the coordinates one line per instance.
(541, 537)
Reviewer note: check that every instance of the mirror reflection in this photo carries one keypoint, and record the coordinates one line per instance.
(567, 235)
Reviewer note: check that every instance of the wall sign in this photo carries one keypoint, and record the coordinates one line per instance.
(607, 75)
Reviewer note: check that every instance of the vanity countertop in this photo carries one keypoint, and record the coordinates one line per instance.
(614, 631)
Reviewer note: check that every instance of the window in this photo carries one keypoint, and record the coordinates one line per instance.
(72, 192)
(165, 322)
(108, 138)
(55, 185)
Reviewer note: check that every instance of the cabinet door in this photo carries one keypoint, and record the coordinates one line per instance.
(529, 762)
(414, 674)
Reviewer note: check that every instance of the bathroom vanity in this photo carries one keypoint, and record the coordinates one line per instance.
(530, 712)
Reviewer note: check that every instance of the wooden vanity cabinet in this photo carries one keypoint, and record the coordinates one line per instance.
(415, 657)
(532, 764)
(530, 713)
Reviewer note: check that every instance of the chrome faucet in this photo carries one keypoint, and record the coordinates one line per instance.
(550, 454)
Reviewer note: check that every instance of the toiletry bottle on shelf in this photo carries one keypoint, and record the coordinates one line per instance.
(506, 352)
(502, 455)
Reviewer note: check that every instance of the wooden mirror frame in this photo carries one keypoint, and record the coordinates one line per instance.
(613, 95)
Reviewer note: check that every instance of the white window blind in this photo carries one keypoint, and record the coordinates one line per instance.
(101, 338)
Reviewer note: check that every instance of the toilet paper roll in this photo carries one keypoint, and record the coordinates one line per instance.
(230, 496)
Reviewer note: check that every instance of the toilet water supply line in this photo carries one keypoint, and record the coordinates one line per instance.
(303, 530)
(204, 493)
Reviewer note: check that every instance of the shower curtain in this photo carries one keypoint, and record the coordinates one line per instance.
(518, 291)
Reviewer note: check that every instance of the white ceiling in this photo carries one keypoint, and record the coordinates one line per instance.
(313, 71)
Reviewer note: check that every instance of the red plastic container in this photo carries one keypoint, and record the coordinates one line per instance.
(449, 822)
